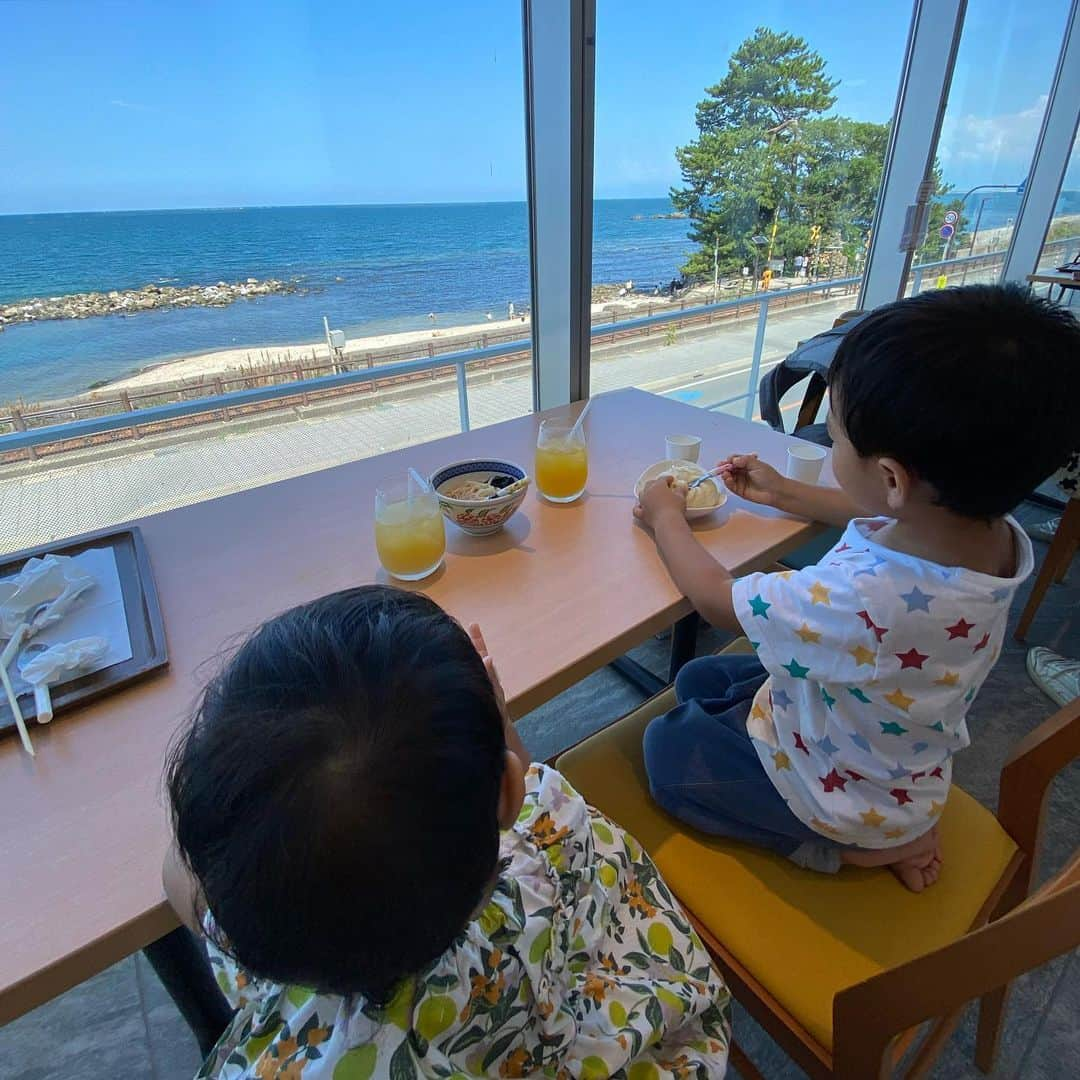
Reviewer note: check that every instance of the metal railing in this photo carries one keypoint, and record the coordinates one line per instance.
(27, 438)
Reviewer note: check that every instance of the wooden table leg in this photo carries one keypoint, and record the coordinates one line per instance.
(180, 963)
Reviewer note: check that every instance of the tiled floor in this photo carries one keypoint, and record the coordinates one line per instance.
(122, 1024)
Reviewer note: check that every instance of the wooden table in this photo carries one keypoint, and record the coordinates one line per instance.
(559, 593)
(1063, 281)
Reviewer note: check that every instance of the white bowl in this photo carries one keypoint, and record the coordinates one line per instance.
(692, 513)
(479, 517)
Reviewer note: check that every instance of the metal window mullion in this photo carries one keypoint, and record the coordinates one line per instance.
(920, 107)
(558, 42)
(1051, 158)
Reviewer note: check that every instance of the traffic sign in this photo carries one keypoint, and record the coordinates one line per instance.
(946, 231)
(951, 217)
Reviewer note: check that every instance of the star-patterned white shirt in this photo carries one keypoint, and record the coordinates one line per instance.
(874, 658)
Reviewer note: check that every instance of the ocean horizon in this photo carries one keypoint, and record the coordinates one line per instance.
(371, 269)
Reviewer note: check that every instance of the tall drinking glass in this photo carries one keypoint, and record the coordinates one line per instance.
(562, 461)
(409, 533)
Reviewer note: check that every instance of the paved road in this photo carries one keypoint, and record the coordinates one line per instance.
(55, 501)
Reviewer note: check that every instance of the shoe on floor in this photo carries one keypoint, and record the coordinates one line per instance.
(1043, 530)
(1056, 676)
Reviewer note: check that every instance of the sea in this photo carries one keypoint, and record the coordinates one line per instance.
(368, 269)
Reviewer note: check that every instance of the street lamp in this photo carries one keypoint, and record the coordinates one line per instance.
(967, 195)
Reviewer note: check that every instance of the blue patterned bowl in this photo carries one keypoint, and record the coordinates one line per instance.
(479, 517)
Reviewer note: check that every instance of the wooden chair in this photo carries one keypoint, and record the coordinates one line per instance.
(1056, 564)
(844, 970)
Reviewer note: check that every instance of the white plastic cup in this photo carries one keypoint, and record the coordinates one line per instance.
(683, 447)
(804, 461)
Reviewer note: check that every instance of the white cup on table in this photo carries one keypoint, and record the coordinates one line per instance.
(683, 447)
(804, 461)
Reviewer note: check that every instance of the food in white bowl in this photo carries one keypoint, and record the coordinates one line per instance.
(480, 495)
(700, 501)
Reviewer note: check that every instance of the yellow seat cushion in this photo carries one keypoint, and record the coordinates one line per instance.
(804, 936)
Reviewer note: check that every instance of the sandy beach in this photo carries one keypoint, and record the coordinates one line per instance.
(220, 361)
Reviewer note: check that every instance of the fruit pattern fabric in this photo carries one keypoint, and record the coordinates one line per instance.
(580, 965)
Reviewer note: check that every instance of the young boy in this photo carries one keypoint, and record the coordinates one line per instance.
(835, 743)
(389, 889)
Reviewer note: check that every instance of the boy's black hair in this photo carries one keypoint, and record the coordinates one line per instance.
(336, 794)
(973, 389)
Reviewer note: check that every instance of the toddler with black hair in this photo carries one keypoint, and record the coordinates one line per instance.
(389, 889)
(834, 743)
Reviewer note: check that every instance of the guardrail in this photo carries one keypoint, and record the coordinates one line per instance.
(225, 402)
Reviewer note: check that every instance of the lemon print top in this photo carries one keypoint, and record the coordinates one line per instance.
(580, 965)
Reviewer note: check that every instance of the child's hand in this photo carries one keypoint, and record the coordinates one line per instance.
(751, 479)
(659, 499)
(513, 739)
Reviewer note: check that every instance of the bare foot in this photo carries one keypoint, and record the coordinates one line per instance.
(917, 864)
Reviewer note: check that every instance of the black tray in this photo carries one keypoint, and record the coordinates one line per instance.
(145, 627)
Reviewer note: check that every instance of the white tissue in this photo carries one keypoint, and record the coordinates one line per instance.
(54, 580)
(59, 663)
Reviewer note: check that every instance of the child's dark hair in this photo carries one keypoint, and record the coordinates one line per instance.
(973, 389)
(336, 794)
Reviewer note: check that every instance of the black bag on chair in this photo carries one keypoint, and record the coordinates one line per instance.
(809, 359)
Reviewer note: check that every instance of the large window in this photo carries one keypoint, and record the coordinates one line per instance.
(201, 199)
(1062, 244)
(738, 160)
(1007, 55)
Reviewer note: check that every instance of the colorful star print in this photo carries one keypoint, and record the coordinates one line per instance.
(938, 726)
(757, 712)
(795, 669)
(759, 606)
(917, 600)
(832, 780)
(917, 776)
(879, 631)
(871, 817)
(970, 694)
(811, 637)
(754, 645)
(912, 659)
(829, 700)
(890, 727)
(937, 773)
(960, 629)
(819, 594)
(858, 695)
(893, 834)
(862, 656)
(983, 642)
(870, 570)
(1001, 595)
(827, 746)
(843, 547)
(898, 773)
(935, 808)
(862, 742)
(873, 526)
(854, 775)
(781, 698)
(799, 744)
(900, 795)
(950, 678)
(900, 699)
(781, 760)
(919, 747)
(821, 826)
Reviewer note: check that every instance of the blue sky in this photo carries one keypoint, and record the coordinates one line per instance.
(111, 105)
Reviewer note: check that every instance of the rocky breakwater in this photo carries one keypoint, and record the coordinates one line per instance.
(148, 298)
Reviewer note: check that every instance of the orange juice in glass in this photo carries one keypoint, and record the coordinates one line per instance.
(562, 461)
(409, 533)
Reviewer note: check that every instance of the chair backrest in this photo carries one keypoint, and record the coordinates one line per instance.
(810, 359)
(1047, 924)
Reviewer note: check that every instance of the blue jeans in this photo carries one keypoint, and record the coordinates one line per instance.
(704, 770)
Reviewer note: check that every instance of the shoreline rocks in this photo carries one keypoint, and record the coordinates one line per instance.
(148, 298)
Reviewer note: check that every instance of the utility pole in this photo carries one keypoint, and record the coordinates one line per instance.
(715, 267)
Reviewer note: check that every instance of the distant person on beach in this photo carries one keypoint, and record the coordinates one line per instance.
(387, 887)
(510, 309)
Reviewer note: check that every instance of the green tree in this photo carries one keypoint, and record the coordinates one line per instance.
(770, 163)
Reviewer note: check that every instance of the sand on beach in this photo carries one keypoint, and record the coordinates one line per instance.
(223, 361)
